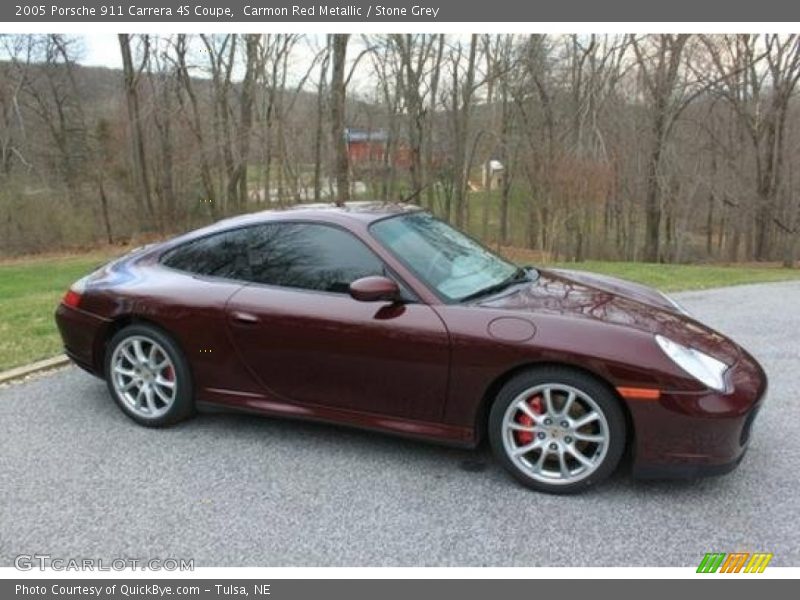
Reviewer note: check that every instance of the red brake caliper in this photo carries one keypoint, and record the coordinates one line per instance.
(168, 374)
(526, 437)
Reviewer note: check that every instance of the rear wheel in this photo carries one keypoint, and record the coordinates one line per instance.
(148, 376)
(557, 430)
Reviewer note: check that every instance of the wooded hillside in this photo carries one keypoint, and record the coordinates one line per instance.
(673, 148)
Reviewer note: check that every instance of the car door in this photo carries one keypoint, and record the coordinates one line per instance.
(307, 341)
(190, 302)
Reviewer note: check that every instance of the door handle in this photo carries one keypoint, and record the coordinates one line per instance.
(245, 318)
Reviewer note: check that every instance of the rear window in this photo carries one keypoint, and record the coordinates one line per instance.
(220, 255)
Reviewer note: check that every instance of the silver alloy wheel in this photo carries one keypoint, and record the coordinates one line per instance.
(562, 442)
(143, 376)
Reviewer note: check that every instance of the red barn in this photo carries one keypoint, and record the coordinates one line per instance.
(365, 146)
(368, 147)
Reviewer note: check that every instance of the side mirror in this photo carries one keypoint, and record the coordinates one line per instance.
(375, 289)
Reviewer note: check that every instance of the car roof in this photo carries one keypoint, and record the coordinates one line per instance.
(353, 214)
(364, 211)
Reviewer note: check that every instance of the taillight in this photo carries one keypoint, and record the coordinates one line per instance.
(71, 298)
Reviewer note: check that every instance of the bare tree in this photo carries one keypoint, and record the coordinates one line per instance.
(462, 93)
(324, 57)
(221, 53)
(534, 99)
(341, 163)
(415, 53)
(15, 78)
(247, 98)
(163, 88)
(132, 73)
(187, 98)
(659, 59)
(757, 76)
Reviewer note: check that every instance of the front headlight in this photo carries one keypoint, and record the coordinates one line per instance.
(706, 369)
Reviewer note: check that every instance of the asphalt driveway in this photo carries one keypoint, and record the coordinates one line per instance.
(79, 479)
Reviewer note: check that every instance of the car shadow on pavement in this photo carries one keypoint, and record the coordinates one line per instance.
(287, 435)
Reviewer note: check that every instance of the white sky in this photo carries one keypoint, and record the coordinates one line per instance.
(101, 50)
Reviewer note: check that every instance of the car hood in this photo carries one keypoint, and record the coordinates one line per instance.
(615, 302)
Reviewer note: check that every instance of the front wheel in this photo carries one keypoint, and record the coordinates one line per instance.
(557, 430)
(148, 376)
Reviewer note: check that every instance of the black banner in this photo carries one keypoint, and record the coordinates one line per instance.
(334, 589)
(423, 11)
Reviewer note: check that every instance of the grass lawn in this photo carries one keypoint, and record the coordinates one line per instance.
(31, 288)
(29, 293)
(677, 278)
(668, 278)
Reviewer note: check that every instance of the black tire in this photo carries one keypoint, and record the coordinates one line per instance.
(605, 402)
(182, 406)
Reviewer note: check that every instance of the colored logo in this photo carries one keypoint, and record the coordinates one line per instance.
(736, 562)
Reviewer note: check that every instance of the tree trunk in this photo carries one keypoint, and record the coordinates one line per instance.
(341, 165)
(430, 192)
(135, 123)
(653, 203)
(104, 210)
(246, 116)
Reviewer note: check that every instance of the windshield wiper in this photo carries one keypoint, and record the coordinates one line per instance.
(518, 276)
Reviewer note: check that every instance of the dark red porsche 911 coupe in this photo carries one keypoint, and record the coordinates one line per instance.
(384, 317)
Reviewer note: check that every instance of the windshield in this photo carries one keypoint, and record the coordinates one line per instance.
(449, 262)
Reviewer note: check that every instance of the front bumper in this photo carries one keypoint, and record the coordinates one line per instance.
(689, 435)
(82, 334)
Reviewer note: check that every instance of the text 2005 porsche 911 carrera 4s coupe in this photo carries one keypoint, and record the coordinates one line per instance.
(384, 317)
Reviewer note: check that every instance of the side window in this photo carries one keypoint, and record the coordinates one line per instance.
(299, 255)
(220, 255)
(309, 256)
